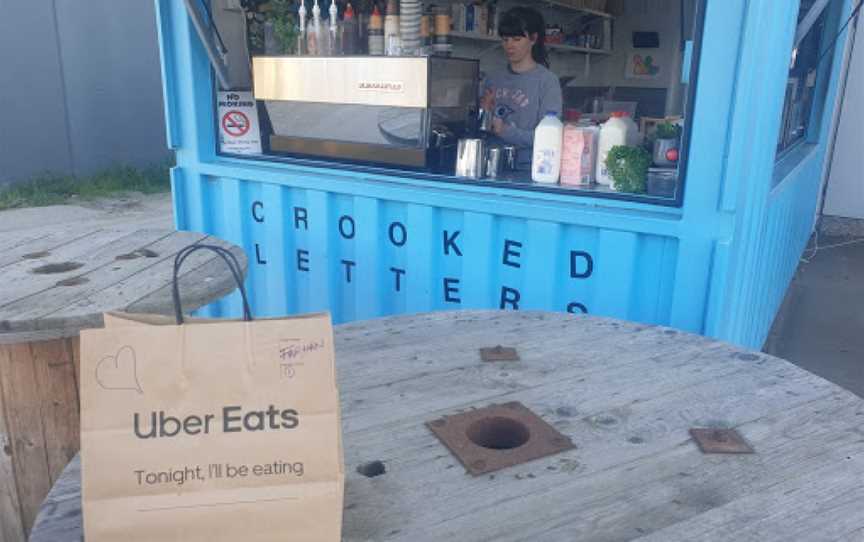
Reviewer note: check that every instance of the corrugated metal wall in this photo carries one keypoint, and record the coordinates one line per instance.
(363, 257)
(81, 84)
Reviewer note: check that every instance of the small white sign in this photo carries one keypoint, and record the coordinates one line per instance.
(238, 123)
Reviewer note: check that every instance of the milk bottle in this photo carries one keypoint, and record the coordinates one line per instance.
(618, 130)
(546, 161)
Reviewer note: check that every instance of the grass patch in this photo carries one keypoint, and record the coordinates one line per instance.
(57, 189)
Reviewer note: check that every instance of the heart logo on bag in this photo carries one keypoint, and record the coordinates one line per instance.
(119, 372)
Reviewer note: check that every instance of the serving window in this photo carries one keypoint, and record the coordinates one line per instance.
(313, 94)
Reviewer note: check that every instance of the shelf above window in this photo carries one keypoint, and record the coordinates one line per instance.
(586, 11)
(551, 46)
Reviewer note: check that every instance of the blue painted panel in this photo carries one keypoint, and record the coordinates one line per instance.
(773, 225)
(404, 257)
(169, 73)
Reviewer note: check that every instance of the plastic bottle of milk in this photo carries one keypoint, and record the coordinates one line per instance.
(618, 130)
(546, 162)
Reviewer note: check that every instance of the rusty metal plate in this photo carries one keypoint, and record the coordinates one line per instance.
(720, 441)
(498, 436)
(499, 353)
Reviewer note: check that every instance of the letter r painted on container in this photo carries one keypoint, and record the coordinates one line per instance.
(300, 216)
(510, 296)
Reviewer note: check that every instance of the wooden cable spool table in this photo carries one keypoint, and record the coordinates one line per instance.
(625, 394)
(54, 285)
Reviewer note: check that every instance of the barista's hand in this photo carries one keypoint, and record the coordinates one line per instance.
(487, 102)
(498, 126)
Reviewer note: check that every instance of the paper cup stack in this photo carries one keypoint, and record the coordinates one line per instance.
(410, 13)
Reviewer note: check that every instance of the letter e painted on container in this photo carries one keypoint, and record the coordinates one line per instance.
(508, 252)
(451, 290)
(302, 260)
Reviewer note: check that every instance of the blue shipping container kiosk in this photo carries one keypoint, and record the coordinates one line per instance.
(364, 243)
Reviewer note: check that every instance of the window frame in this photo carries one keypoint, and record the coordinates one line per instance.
(514, 187)
(829, 13)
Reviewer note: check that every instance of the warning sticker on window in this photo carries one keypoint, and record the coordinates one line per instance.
(238, 123)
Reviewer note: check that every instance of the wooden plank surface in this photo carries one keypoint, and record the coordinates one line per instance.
(20, 390)
(11, 528)
(39, 307)
(57, 402)
(89, 252)
(625, 393)
(14, 246)
(99, 276)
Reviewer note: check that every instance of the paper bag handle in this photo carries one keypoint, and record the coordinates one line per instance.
(229, 259)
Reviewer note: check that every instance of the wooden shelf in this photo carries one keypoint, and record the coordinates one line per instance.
(552, 46)
(562, 5)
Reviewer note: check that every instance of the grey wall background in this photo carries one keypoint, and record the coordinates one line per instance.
(80, 85)
(845, 194)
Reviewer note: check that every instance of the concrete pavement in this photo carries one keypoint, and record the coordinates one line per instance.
(132, 210)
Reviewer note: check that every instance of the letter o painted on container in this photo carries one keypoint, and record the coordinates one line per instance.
(343, 220)
(403, 237)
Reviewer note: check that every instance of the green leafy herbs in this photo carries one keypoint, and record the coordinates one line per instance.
(667, 130)
(628, 167)
(284, 25)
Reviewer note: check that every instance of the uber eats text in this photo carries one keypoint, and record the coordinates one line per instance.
(232, 420)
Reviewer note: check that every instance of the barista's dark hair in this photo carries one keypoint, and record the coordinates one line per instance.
(522, 21)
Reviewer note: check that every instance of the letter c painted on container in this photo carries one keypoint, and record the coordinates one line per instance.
(255, 206)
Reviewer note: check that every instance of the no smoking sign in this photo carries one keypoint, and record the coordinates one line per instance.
(235, 123)
(238, 123)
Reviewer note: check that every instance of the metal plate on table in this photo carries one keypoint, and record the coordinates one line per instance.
(720, 441)
(498, 436)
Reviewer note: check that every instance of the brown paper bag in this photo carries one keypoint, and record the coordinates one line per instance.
(213, 430)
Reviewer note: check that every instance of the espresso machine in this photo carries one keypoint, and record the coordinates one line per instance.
(397, 111)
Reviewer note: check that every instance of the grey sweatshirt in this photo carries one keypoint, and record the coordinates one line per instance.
(522, 100)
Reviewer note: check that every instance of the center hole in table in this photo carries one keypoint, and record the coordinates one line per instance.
(52, 268)
(498, 433)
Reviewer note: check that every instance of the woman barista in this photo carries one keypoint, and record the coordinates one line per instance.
(521, 96)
